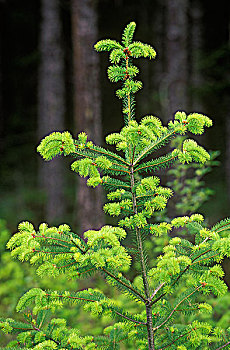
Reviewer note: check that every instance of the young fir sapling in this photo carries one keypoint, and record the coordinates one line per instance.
(171, 284)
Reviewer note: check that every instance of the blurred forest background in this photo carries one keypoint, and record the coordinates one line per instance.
(52, 80)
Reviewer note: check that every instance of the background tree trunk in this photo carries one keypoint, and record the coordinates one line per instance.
(196, 45)
(160, 77)
(2, 3)
(227, 125)
(176, 53)
(51, 105)
(87, 102)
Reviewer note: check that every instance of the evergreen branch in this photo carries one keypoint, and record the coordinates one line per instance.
(219, 228)
(67, 265)
(123, 166)
(119, 170)
(190, 309)
(49, 338)
(175, 340)
(207, 251)
(70, 297)
(141, 297)
(54, 238)
(108, 170)
(83, 155)
(55, 341)
(80, 273)
(111, 183)
(35, 329)
(50, 252)
(99, 150)
(82, 251)
(221, 224)
(172, 312)
(42, 320)
(180, 275)
(156, 290)
(144, 196)
(23, 329)
(209, 257)
(130, 319)
(156, 163)
(62, 245)
(222, 228)
(154, 146)
(223, 346)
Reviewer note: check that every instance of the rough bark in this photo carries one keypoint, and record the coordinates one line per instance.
(176, 53)
(87, 107)
(51, 104)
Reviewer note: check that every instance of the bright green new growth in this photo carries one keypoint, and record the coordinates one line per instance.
(190, 260)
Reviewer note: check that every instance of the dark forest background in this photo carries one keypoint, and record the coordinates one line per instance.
(50, 79)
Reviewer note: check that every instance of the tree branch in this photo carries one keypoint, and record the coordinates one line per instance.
(174, 341)
(124, 284)
(176, 308)
(143, 154)
(154, 165)
(94, 301)
(181, 274)
(156, 290)
(130, 319)
(223, 346)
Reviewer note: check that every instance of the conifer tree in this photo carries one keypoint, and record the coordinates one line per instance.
(169, 286)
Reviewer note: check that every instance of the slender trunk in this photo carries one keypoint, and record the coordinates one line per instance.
(139, 240)
(177, 69)
(138, 234)
(150, 327)
(87, 102)
(51, 105)
(143, 269)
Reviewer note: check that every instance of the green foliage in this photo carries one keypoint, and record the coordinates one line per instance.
(17, 278)
(188, 185)
(122, 69)
(174, 282)
(53, 145)
(41, 332)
